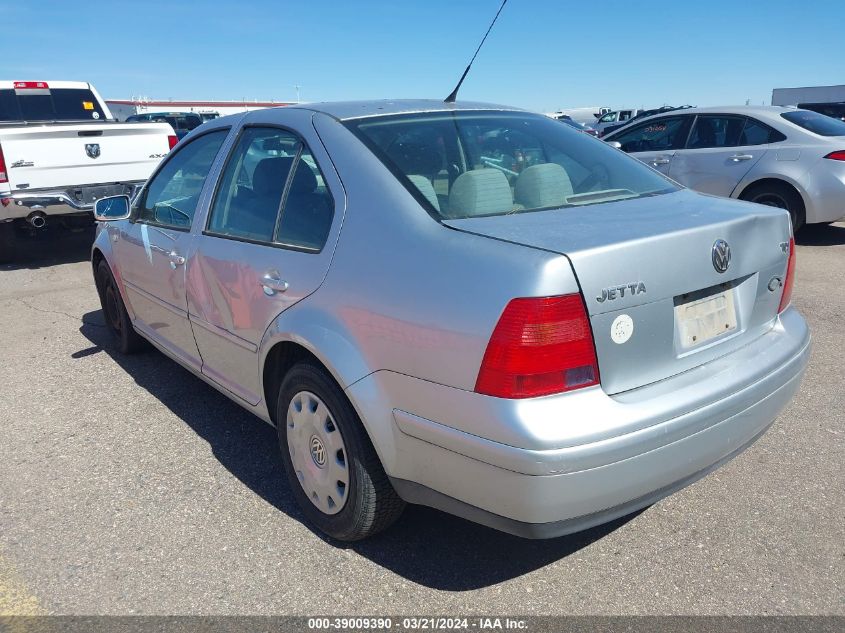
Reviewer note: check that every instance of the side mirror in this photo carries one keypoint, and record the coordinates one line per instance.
(111, 208)
(615, 144)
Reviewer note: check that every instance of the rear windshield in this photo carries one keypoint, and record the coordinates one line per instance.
(54, 104)
(469, 164)
(816, 123)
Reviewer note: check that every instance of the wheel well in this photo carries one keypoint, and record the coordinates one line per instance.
(771, 182)
(279, 360)
(96, 257)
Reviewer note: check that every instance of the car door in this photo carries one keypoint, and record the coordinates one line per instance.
(720, 151)
(152, 247)
(655, 142)
(265, 246)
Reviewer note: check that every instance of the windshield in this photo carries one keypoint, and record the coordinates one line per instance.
(815, 122)
(468, 164)
(52, 104)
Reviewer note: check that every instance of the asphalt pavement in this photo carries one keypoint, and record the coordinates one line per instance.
(127, 486)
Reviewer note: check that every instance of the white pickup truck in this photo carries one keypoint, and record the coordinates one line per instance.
(61, 150)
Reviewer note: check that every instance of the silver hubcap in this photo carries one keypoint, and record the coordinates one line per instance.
(317, 452)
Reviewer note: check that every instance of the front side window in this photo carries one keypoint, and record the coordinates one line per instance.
(272, 191)
(171, 197)
(610, 117)
(715, 131)
(816, 123)
(467, 164)
(657, 135)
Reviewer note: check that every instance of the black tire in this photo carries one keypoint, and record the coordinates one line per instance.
(8, 240)
(371, 503)
(127, 340)
(779, 195)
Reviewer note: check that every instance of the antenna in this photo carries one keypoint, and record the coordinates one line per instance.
(454, 94)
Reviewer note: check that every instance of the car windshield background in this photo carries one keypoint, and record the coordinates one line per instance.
(816, 123)
(171, 198)
(469, 164)
(55, 104)
(259, 201)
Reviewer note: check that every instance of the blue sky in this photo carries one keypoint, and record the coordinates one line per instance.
(542, 54)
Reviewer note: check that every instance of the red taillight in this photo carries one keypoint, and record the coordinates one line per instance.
(3, 176)
(837, 155)
(172, 140)
(540, 346)
(31, 85)
(789, 280)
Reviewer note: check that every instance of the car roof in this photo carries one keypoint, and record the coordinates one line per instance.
(762, 112)
(345, 110)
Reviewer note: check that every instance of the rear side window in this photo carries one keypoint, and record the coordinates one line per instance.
(756, 133)
(172, 195)
(715, 131)
(272, 192)
(816, 123)
(657, 135)
(52, 104)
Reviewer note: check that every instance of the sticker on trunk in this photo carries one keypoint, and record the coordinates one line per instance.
(621, 329)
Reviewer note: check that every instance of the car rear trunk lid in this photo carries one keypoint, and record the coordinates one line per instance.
(658, 305)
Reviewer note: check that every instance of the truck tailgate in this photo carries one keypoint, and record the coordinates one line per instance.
(56, 155)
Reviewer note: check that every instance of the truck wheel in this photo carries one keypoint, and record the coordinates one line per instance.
(333, 469)
(779, 195)
(117, 319)
(7, 242)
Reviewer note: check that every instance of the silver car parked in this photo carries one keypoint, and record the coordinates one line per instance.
(783, 157)
(459, 305)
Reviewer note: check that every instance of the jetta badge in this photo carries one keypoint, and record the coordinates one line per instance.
(92, 149)
(721, 256)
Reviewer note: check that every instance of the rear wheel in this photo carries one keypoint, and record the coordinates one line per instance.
(779, 195)
(8, 241)
(333, 469)
(114, 311)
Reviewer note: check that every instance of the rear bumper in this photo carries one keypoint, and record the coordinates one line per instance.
(72, 200)
(648, 442)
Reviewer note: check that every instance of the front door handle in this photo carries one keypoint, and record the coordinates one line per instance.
(176, 260)
(738, 157)
(660, 161)
(272, 282)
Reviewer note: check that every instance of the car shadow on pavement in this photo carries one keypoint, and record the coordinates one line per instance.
(51, 247)
(425, 546)
(821, 235)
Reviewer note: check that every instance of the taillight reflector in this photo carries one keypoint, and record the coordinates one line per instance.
(3, 176)
(789, 280)
(837, 155)
(540, 346)
(31, 85)
(172, 140)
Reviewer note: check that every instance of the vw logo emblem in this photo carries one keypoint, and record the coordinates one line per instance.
(92, 149)
(318, 451)
(721, 256)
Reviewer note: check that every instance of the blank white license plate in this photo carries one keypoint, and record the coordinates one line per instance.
(702, 320)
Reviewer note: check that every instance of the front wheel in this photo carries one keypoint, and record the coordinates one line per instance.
(114, 311)
(333, 469)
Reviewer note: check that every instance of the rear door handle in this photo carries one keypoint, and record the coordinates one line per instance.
(272, 282)
(660, 161)
(176, 260)
(738, 157)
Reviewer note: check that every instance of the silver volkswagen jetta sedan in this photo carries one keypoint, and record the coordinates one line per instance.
(461, 305)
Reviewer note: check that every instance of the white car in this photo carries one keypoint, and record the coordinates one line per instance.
(780, 156)
(61, 150)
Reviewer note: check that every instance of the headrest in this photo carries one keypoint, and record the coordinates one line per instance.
(545, 185)
(426, 189)
(480, 192)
